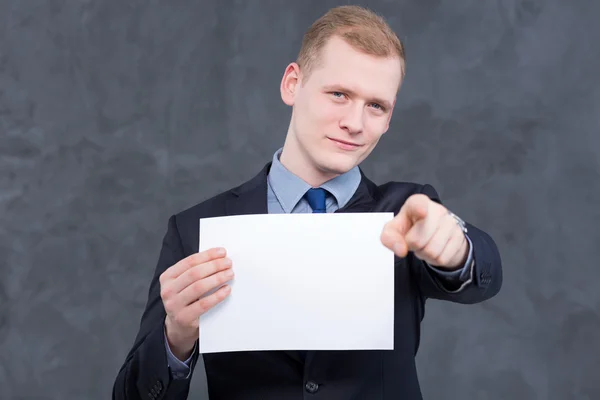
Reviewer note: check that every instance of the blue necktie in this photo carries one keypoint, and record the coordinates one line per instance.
(316, 199)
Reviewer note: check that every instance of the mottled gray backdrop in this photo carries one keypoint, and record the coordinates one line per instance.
(115, 114)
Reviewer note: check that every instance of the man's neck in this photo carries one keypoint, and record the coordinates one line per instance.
(304, 170)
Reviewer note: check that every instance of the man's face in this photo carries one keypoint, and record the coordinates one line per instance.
(340, 112)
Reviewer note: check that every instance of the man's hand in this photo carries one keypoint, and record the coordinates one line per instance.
(427, 229)
(182, 289)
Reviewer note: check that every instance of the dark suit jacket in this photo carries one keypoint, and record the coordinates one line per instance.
(281, 375)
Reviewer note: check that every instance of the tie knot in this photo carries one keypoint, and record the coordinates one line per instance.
(316, 199)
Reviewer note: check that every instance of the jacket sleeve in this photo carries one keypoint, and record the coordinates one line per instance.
(486, 274)
(145, 373)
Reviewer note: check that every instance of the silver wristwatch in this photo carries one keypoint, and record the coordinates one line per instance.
(459, 221)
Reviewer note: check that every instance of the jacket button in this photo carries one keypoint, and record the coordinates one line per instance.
(311, 387)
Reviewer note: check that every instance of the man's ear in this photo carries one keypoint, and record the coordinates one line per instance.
(289, 83)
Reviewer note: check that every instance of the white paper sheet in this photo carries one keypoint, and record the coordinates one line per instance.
(302, 281)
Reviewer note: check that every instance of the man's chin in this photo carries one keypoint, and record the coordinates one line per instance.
(337, 167)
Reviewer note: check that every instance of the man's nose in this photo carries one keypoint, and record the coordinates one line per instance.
(353, 120)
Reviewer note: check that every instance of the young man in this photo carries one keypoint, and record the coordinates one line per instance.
(342, 91)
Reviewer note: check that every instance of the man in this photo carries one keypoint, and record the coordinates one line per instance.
(342, 91)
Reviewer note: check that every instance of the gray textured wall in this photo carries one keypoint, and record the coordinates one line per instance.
(115, 114)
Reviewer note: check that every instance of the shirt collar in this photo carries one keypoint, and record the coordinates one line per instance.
(289, 188)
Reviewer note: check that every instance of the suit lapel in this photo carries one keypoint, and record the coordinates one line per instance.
(364, 199)
(251, 196)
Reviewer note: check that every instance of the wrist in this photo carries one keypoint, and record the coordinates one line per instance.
(462, 259)
(181, 344)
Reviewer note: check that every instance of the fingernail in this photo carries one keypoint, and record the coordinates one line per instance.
(221, 251)
(229, 273)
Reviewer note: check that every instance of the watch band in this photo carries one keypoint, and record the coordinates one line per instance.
(459, 221)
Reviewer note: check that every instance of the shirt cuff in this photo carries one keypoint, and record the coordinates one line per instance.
(179, 369)
(463, 275)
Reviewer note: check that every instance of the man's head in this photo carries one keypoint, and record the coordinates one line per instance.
(342, 89)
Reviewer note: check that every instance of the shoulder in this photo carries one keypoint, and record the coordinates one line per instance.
(208, 207)
(217, 205)
(183, 225)
(400, 191)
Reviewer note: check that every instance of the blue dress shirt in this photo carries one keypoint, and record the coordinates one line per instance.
(286, 195)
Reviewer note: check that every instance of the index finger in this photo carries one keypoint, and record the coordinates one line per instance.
(414, 209)
(193, 260)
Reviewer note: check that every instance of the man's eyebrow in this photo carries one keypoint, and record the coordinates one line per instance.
(338, 88)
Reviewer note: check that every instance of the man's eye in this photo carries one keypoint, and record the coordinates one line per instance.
(338, 94)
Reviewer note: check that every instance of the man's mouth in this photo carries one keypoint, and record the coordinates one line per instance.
(345, 144)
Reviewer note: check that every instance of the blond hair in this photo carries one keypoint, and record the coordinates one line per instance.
(360, 27)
